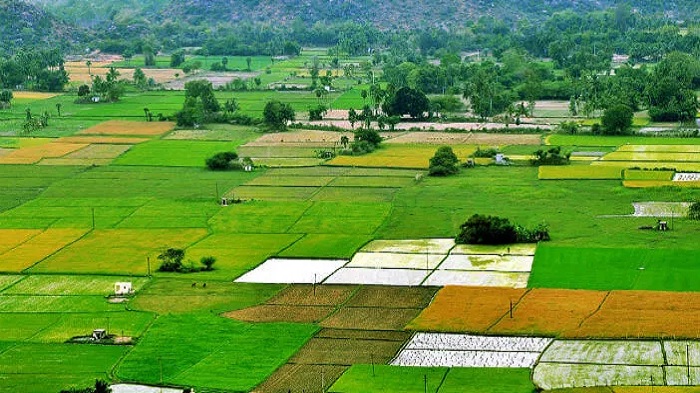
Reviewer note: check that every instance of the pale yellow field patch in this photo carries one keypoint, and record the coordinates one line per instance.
(78, 72)
(38, 248)
(660, 183)
(382, 260)
(34, 154)
(480, 249)
(33, 95)
(122, 127)
(76, 161)
(400, 156)
(679, 166)
(415, 246)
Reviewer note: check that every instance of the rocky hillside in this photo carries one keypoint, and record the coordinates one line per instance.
(24, 25)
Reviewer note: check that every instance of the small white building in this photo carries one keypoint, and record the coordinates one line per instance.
(123, 288)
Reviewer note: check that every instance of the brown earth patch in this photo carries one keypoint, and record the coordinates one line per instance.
(307, 295)
(308, 378)
(466, 309)
(346, 352)
(392, 297)
(381, 335)
(371, 318)
(281, 313)
(121, 127)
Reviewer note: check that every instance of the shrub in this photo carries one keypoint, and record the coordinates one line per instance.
(480, 229)
(171, 260)
(443, 163)
(208, 263)
(553, 156)
(485, 153)
(222, 161)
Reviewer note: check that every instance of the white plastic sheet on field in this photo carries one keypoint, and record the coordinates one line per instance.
(396, 261)
(352, 275)
(478, 279)
(411, 246)
(129, 388)
(463, 350)
(505, 263)
(292, 271)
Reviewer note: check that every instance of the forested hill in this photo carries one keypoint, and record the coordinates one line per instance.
(383, 14)
(25, 25)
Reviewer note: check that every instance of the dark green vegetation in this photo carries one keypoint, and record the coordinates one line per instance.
(443, 163)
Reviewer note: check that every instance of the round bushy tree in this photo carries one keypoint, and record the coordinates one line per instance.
(221, 161)
(277, 114)
(480, 229)
(617, 119)
(444, 162)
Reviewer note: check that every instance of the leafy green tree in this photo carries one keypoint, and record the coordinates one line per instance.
(277, 114)
(671, 88)
(353, 117)
(221, 161)
(248, 61)
(443, 163)
(171, 260)
(5, 98)
(149, 57)
(694, 211)
(481, 229)
(617, 120)
(177, 58)
(140, 78)
(317, 113)
(203, 91)
(224, 62)
(208, 263)
(407, 101)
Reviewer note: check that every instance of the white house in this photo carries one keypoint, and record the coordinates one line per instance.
(122, 288)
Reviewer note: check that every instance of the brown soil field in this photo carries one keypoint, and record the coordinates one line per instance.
(121, 127)
(78, 72)
(392, 297)
(466, 309)
(301, 378)
(644, 314)
(371, 318)
(33, 95)
(304, 295)
(102, 140)
(217, 79)
(99, 151)
(281, 313)
(346, 352)
(476, 138)
(300, 138)
(381, 335)
(550, 312)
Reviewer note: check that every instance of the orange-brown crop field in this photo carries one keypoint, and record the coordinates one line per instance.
(34, 154)
(121, 127)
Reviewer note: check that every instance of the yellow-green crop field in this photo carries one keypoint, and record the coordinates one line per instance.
(652, 156)
(579, 172)
(660, 148)
(37, 248)
(400, 156)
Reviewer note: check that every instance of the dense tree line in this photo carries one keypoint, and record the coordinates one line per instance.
(34, 69)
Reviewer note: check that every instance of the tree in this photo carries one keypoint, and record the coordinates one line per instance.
(248, 61)
(344, 141)
(203, 91)
(317, 113)
(407, 101)
(277, 114)
(671, 88)
(149, 58)
(5, 98)
(83, 90)
(171, 260)
(221, 161)
(231, 106)
(89, 64)
(694, 211)
(58, 108)
(480, 229)
(208, 263)
(139, 78)
(617, 119)
(352, 117)
(443, 163)
(224, 62)
(177, 58)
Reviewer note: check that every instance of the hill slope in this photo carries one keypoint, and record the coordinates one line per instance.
(26, 25)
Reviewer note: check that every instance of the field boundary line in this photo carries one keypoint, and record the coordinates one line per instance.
(288, 246)
(600, 307)
(436, 268)
(136, 208)
(24, 277)
(442, 381)
(663, 366)
(311, 204)
(515, 306)
(113, 370)
(338, 307)
(57, 251)
(49, 326)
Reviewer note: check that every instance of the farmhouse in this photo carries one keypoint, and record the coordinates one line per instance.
(122, 288)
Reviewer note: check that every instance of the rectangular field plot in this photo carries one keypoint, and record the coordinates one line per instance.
(487, 380)
(118, 251)
(647, 353)
(508, 263)
(660, 148)
(346, 351)
(308, 295)
(34, 154)
(325, 246)
(289, 271)
(652, 156)
(371, 318)
(11, 238)
(342, 218)
(128, 128)
(173, 153)
(651, 165)
(258, 217)
(395, 261)
(98, 140)
(550, 312)
(273, 193)
(465, 309)
(414, 246)
(281, 313)
(301, 378)
(129, 324)
(171, 214)
(224, 354)
(633, 174)
(38, 368)
(71, 285)
(8, 280)
(369, 276)
(583, 172)
(458, 350)
(38, 248)
(372, 181)
(363, 378)
(290, 181)
(399, 156)
(21, 327)
(479, 249)
(478, 278)
(392, 297)
(678, 376)
(360, 195)
(558, 376)
(58, 304)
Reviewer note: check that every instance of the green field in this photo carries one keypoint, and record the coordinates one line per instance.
(615, 268)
